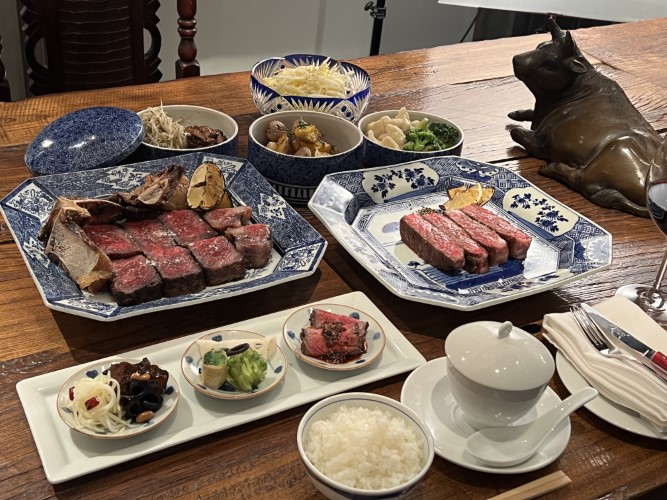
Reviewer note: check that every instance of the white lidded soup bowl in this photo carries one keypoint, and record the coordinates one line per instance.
(497, 372)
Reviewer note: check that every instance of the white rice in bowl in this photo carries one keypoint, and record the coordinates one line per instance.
(364, 448)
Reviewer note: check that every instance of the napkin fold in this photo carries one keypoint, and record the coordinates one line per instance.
(621, 381)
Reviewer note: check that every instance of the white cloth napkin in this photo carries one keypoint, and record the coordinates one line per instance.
(621, 381)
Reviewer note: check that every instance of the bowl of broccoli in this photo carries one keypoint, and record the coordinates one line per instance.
(400, 136)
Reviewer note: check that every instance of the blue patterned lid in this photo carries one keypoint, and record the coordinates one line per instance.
(86, 139)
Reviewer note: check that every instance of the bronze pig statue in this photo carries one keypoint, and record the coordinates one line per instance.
(585, 127)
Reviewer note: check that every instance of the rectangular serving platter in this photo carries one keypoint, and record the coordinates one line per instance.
(67, 454)
(362, 210)
(298, 248)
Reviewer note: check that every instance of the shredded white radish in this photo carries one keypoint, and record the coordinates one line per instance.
(311, 80)
(106, 415)
(162, 130)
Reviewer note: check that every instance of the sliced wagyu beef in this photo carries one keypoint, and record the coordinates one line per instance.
(254, 242)
(187, 226)
(135, 281)
(179, 272)
(437, 248)
(219, 259)
(222, 219)
(112, 240)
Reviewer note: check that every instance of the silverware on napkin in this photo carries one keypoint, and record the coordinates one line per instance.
(628, 342)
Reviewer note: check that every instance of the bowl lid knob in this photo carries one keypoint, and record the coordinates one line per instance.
(505, 329)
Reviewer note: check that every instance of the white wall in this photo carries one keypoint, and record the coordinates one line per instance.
(234, 34)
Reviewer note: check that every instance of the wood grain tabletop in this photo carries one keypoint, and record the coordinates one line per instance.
(473, 85)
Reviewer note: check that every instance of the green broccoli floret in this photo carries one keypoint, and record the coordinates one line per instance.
(215, 358)
(446, 134)
(430, 137)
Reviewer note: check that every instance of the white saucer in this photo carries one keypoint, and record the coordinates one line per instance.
(426, 391)
(607, 410)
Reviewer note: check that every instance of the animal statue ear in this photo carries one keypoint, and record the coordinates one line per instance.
(577, 66)
(554, 29)
(570, 47)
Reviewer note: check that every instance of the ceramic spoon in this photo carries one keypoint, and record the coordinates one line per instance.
(511, 445)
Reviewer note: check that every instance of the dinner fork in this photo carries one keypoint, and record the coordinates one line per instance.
(598, 340)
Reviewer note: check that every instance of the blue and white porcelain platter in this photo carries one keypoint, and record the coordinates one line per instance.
(297, 247)
(191, 366)
(85, 139)
(362, 209)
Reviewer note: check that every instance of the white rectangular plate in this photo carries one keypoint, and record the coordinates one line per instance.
(362, 210)
(297, 247)
(67, 454)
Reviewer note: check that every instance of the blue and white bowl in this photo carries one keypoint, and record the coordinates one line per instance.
(376, 155)
(85, 139)
(295, 178)
(324, 409)
(267, 100)
(194, 115)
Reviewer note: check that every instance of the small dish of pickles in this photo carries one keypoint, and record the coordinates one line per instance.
(234, 364)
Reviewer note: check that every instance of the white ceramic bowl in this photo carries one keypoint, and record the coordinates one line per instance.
(296, 177)
(376, 155)
(325, 408)
(194, 115)
(496, 375)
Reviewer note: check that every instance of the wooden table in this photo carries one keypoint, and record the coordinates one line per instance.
(473, 85)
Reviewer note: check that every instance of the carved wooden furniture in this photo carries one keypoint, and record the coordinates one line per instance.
(187, 64)
(92, 44)
(100, 43)
(5, 94)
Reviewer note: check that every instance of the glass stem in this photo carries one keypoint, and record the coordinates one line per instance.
(661, 274)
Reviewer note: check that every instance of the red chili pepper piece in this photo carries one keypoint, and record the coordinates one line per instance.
(71, 393)
(92, 403)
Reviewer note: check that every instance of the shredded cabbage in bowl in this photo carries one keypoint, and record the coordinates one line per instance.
(311, 80)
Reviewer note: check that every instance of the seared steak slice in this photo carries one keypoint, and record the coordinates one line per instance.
(254, 242)
(69, 246)
(149, 234)
(517, 241)
(476, 258)
(135, 281)
(430, 243)
(495, 246)
(219, 259)
(222, 219)
(82, 211)
(112, 240)
(179, 271)
(333, 337)
(187, 226)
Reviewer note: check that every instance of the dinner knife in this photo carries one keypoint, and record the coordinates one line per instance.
(633, 343)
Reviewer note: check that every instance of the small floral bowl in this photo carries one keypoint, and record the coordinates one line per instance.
(377, 155)
(268, 100)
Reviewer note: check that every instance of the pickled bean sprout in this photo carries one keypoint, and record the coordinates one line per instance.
(161, 130)
(312, 80)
